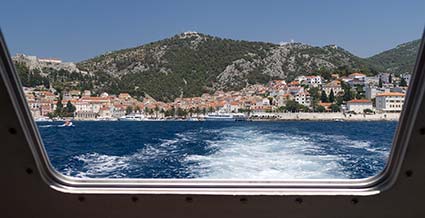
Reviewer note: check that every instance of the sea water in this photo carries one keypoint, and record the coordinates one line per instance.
(219, 150)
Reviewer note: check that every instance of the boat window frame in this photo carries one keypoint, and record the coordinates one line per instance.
(361, 187)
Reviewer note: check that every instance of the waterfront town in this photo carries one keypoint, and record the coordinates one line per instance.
(355, 96)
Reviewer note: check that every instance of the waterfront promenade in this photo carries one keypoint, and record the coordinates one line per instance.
(301, 116)
(337, 116)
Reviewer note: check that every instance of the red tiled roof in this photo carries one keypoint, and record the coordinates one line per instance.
(46, 93)
(390, 94)
(357, 74)
(325, 104)
(311, 77)
(87, 98)
(360, 101)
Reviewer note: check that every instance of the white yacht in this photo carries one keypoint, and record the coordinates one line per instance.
(106, 119)
(43, 119)
(133, 117)
(221, 116)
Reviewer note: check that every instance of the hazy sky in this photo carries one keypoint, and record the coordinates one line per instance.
(79, 29)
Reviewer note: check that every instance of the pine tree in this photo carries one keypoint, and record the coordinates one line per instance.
(324, 97)
(403, 82)
(335, 108)
(315, 96)
(129, 110)
(348, 95)
(331, 96)
(59, 107)
(146, 110)
(70, 108)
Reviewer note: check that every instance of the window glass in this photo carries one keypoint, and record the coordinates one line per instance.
(215, 90)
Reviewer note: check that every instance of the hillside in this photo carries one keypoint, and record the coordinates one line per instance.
(400, 59)
(190, 64)
(33, 72)
(186, 64)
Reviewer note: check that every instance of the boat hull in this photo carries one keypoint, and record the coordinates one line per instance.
(220, 119)
(225, 118)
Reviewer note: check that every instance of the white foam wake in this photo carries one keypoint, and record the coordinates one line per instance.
(114, 166)
(236, 153)
(253, 154)
(96, 165)
(46, 126)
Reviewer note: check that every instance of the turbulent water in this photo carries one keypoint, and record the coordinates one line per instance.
(219, 150)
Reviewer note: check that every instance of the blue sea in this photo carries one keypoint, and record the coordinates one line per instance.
(219, 150)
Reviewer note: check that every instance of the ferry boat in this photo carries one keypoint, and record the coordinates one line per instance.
(133, 117)
(219, 116)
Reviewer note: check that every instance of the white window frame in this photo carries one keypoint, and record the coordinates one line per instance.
(357, 187)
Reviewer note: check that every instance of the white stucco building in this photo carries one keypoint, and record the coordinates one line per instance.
(358, 76)
(313, 80)
(359, 105)
(303, 98)
(333, 85)
(390, 101)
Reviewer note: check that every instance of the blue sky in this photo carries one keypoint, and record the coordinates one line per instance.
(77, 30)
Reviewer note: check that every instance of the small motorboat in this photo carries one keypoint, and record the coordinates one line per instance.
(67, 123)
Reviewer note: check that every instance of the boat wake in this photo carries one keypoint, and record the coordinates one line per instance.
(253, 154)
(46, 126)
(237, 153)
(152, 161)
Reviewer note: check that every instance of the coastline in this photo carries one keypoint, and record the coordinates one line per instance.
(258, 117)
(324, 117)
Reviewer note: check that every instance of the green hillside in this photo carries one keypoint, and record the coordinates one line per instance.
(189, 64)
(400, 59)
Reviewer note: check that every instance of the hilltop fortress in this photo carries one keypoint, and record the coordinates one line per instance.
(34, 62)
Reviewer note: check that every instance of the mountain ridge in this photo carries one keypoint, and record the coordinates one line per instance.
(197, 63)
(400, 59)
(190, 63)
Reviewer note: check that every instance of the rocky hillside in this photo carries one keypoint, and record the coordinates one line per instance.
(400, 59)
(34, 72)
(32, 63)
(190, 63)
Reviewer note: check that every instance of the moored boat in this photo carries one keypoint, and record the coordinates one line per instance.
(220, 116)
(133, 117)
(43, 119)
(68, 123)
